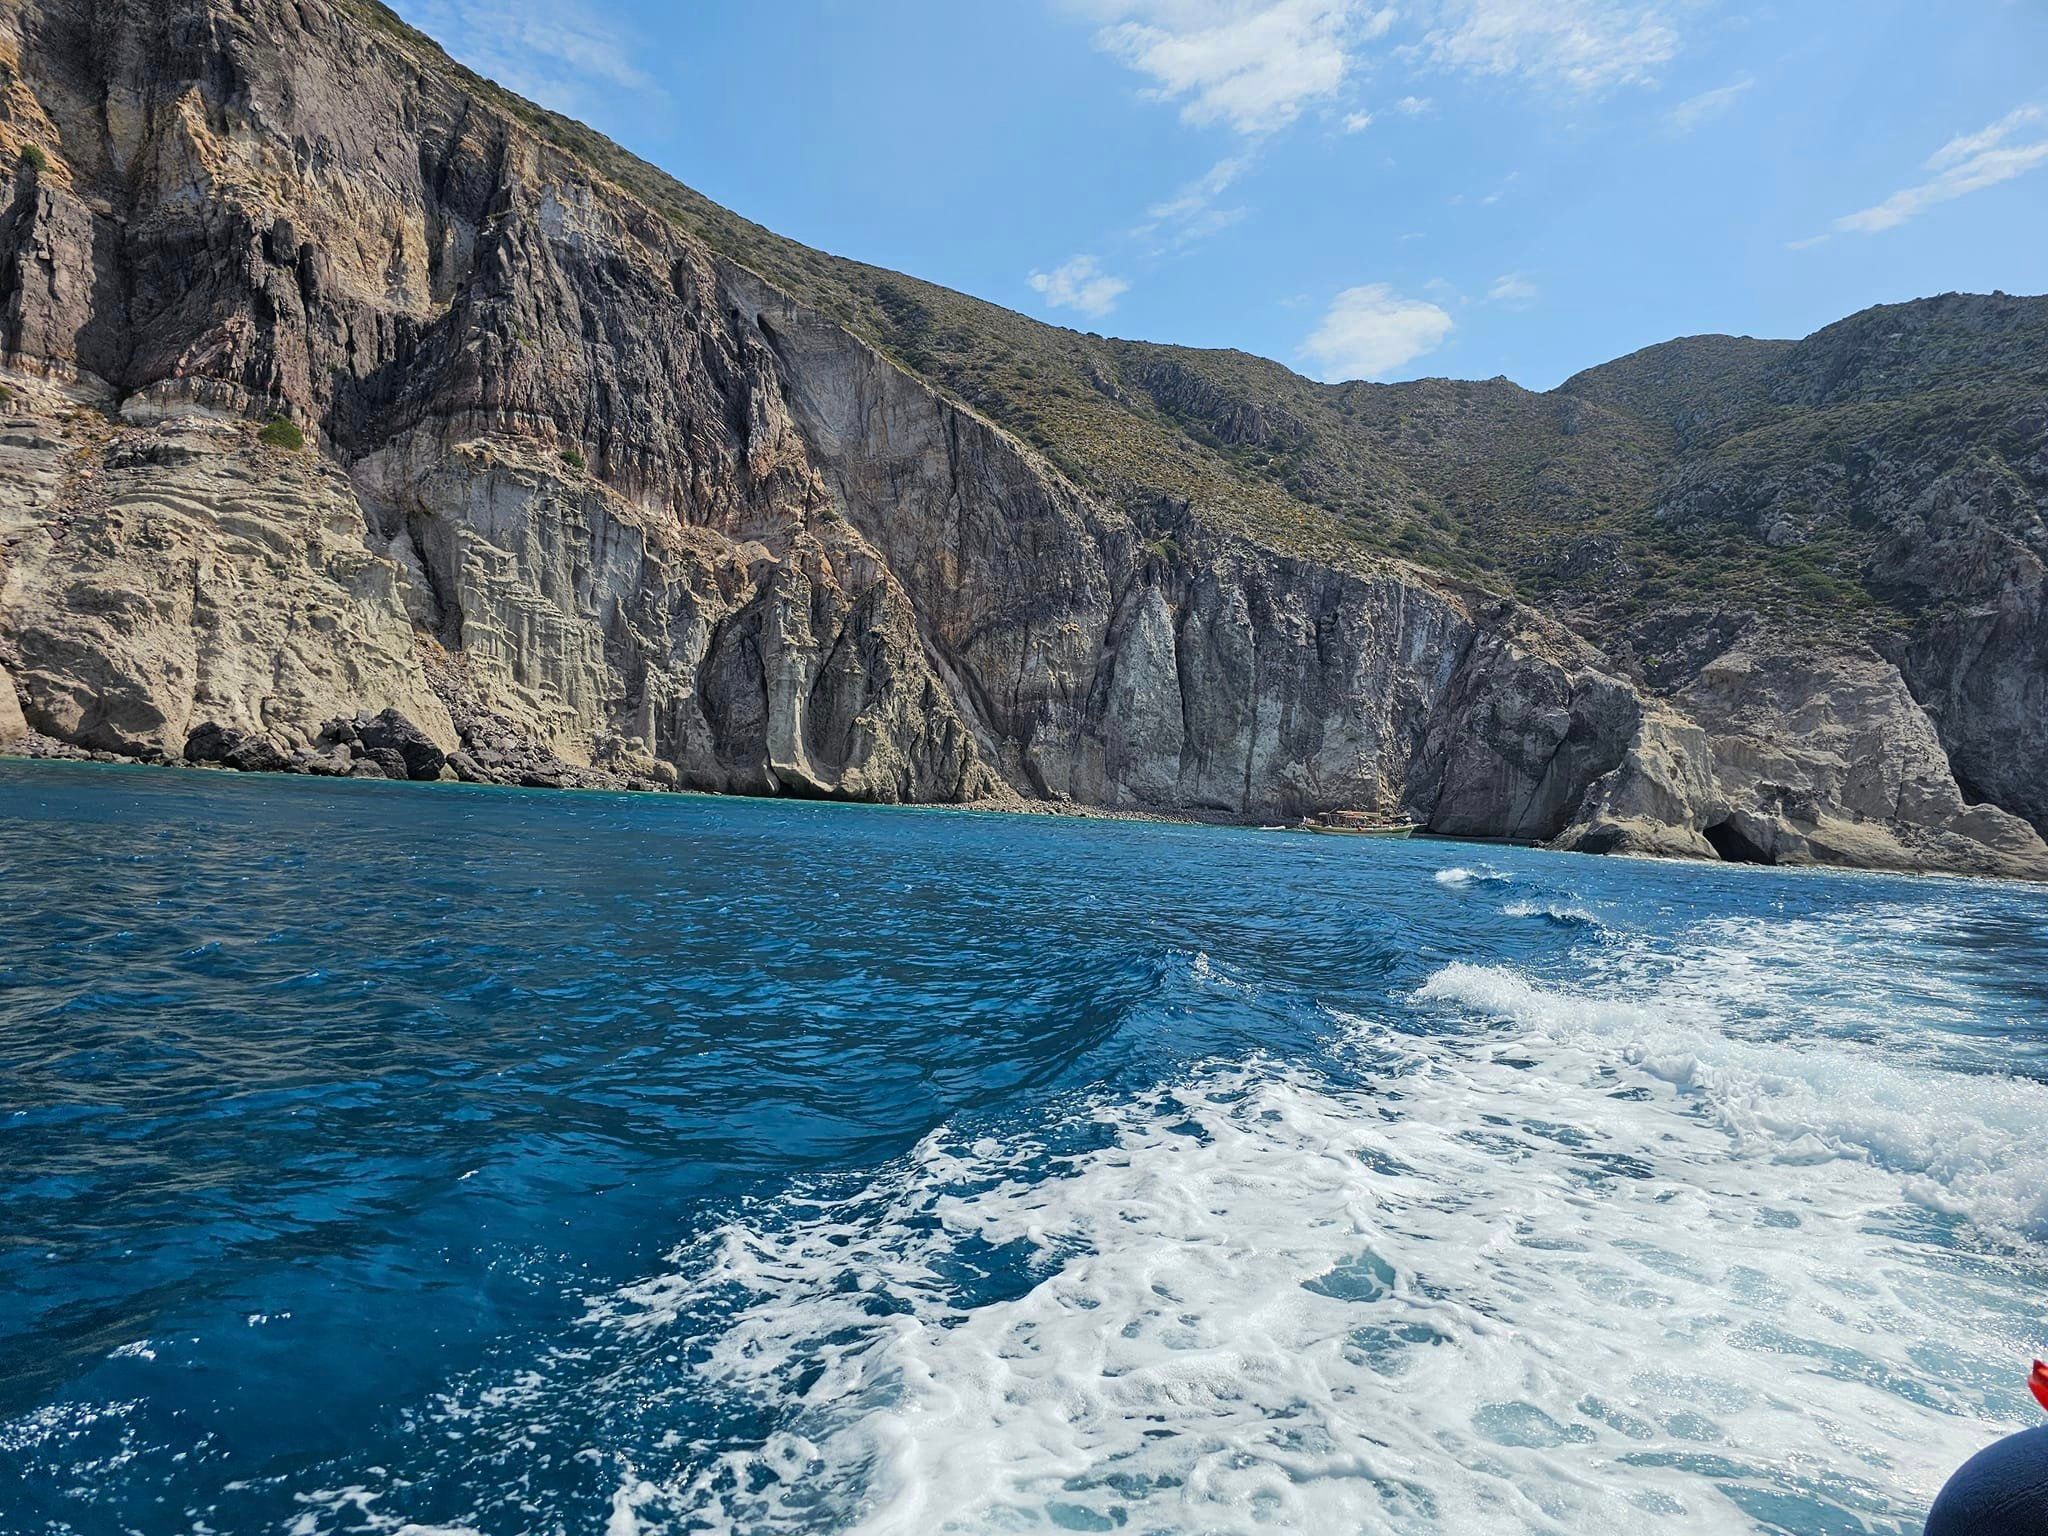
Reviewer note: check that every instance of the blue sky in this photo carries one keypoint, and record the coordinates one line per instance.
(1360, 188)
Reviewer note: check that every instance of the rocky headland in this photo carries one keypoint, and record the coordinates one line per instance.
(362, 419)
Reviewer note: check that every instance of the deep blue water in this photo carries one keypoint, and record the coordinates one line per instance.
(382, 1157)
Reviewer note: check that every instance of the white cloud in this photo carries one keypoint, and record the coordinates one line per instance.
(1191, 213)
(1255, 65)
(1080, 283)
(1965, 147)
(1694, 110)
(1513, 290)
(1581, 45)
(559, 53)
(1204, 189)
(1370, 331)
(1252, 64)
(1967, 163)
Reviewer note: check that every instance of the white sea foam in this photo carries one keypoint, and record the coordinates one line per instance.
(1564, 914)
(1571, 1266)
(1964, 1145)
(1459, 874)
(355, 1509)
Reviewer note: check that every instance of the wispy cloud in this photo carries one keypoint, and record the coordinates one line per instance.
(1369, 331)
(1252, 64)
(1579, 45)
(560, 53)
(1191, 213)
(1970, 162)
(1512, 289)
(1079, 283)
(1694, 110)
(1255, 65)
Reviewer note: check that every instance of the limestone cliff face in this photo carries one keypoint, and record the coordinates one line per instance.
(1774, 756)
(1180, 671)
(579, 491)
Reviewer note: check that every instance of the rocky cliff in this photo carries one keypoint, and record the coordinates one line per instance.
(362, 418)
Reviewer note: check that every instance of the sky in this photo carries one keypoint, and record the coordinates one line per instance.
(1381, 189)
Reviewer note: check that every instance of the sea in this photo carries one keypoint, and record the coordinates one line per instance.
(424, 1160)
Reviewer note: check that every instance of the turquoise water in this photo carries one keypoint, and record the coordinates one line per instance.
(383, 1158)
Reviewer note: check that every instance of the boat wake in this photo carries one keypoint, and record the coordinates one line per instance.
(1565, 1265)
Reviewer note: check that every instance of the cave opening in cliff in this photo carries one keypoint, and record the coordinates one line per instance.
(1734, 848)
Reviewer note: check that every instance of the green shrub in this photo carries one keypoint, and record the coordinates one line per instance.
(6, 394)
(33, 157)
(572, 458)
(282, 432)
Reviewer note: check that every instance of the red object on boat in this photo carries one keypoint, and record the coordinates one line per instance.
(2037, 1382)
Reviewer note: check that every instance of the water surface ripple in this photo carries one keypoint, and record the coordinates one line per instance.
(386, 1159)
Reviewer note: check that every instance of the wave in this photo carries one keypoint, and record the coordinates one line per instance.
(1558, 914)
(1459, 874)
(1962, 1144)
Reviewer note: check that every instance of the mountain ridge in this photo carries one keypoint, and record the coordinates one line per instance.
(875, 303)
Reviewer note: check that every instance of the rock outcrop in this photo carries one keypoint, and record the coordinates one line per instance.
(243, 751)
(13, 723)
(1809, 759)
(355, 425)
(186, 575)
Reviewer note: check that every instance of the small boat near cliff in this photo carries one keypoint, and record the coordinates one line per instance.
(1356, 824)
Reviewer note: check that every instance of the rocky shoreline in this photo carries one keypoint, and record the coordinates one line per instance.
(564, 776)
(386, 746)
(1457, 709)
(460, 768)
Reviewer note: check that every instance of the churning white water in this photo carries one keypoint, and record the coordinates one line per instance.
(1667, 1248)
